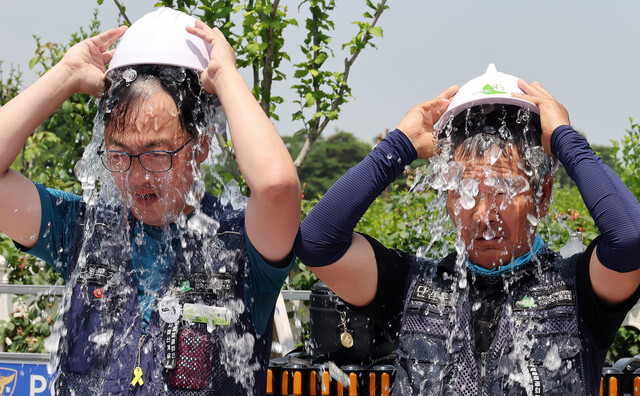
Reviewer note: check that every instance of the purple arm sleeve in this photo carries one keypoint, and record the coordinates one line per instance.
(325, 234)
(613, 207)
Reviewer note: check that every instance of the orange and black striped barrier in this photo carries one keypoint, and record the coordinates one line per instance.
(610, 381)
(297, 379)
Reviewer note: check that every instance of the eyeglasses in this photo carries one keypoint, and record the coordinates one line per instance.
(151, 161)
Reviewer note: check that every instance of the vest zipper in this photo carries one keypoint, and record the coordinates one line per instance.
(483, 368)
(137, 371)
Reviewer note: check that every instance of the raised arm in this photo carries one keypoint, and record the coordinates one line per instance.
(344, 260)
(273, 211)
(614, 267)
(81, 70)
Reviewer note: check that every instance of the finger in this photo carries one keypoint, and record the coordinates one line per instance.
(449, 93)
(535, 99)
(531, 93)
(106, 39)
(527, 88)
(203, 31)
(443, 99)
(107, 56)
(539, 87)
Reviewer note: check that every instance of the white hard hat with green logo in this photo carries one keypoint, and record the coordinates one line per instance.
(493, 87)
(160, 37)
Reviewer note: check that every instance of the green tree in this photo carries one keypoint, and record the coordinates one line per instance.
(48, 157)
(605, 152)
(330, 158)
(255, 30)
(627, 156)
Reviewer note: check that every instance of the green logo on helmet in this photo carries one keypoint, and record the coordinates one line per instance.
(490, 89)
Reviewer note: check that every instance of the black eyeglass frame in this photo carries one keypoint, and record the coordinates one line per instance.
(100, 153)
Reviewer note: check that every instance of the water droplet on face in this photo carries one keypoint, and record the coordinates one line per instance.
(467, 202)
(489, 234)
(533, 219)
(494, 154)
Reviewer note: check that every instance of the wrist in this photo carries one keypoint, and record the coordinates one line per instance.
(557, 136)
(402, 146)
(61, 79)
(225, 77)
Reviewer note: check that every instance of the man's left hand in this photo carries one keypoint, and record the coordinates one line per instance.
(552, 113)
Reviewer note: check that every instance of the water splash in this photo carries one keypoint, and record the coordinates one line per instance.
(99, 189)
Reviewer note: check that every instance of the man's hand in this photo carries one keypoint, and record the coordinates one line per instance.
(221, 59)
(86, 61)
(552, 113)
(417, 124)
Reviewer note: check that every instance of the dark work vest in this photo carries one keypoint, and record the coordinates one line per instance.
(103, 342)
(538, 346)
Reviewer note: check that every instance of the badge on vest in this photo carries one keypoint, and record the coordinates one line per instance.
(427, 292)
(545, 298)
(218, 316)
(219, 284)
(169, 309)
(96, 274)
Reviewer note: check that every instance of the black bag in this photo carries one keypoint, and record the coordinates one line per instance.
(342, 335)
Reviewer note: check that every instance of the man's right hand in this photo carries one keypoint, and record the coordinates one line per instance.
(87, 59)
(417, 124)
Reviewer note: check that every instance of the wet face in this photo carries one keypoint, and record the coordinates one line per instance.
(155, 198)
(495, 210)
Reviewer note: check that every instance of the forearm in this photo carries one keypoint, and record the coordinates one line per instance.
(258, 146)
(24, 113)
(273, 212)
(615, 210)
(326, 234)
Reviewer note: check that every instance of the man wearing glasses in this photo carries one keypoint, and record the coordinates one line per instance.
(169, 291)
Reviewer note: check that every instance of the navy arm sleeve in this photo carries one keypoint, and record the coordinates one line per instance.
(325, 234)
(613, 207)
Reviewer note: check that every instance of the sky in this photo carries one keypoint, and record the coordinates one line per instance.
(586, 53)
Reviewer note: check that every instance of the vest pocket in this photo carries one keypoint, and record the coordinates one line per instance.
(194, 365)
(427, 348)
(556, 361)
(88, 348)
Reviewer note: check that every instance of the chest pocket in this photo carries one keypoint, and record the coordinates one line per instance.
(93, 312)
(430, 339)
(546, 319)
(193, 342)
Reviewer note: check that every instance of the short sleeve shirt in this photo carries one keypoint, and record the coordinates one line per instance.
(152, 257)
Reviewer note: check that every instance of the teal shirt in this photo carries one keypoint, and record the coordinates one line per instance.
(152, 257)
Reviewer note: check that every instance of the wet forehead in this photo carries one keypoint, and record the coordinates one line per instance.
(495, 163)
(152, 123)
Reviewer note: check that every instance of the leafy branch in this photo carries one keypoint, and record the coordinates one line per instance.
(324, 90)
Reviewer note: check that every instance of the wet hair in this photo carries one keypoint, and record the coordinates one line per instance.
(121, 94)
(508, 127)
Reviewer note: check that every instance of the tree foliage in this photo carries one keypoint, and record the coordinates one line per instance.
(330, 158)
(255, 29)
(627, 156)
(48, 157)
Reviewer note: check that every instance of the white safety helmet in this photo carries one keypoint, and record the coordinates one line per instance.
(492, 87)
(160, 37)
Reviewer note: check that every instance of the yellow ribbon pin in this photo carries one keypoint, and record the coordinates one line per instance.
(137, 377)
